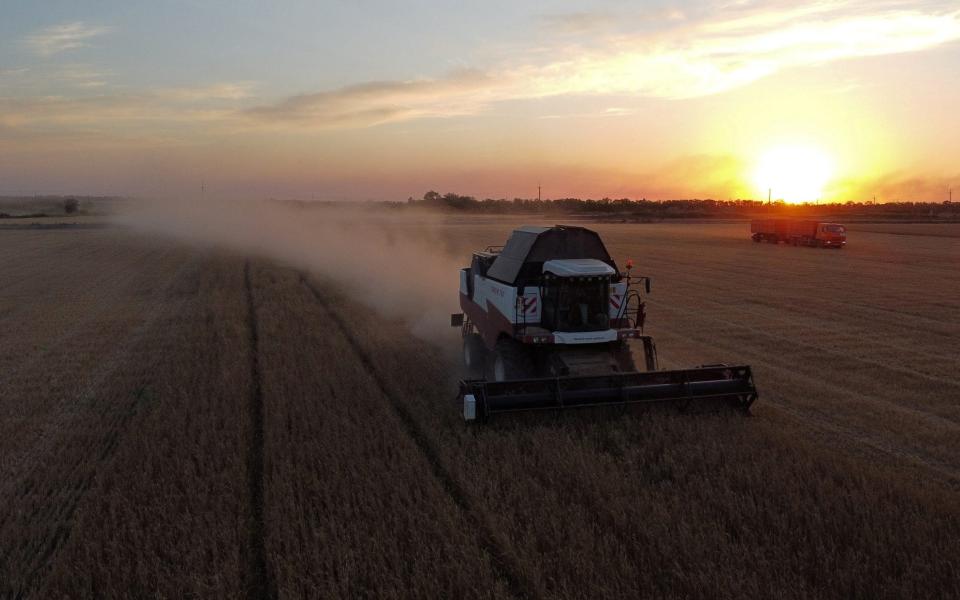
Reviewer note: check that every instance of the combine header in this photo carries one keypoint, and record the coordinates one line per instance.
(547, 323)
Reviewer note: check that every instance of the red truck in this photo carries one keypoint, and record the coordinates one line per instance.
(799, 233)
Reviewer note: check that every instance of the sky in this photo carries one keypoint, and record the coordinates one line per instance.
(363, 99)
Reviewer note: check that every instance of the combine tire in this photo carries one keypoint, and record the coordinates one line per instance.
(509, 361)
(474, 355)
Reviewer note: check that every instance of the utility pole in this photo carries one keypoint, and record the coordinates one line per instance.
(769, 195)
(538, 192)
(203, 188)
(950, 196)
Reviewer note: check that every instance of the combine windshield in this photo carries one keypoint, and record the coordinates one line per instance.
(575, 304)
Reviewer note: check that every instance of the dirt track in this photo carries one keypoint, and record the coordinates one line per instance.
(135, 425)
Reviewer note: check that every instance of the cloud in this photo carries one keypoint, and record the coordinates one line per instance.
(14, 71)
(460, 92)
(82, 76)
(697, 55)
(606, 113)
(687, 59)
(217, 91)
(60, 38)
(577, 22)
(214, 104)
(717, 56)
(42, 77)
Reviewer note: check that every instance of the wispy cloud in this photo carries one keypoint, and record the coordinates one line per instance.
(60, 38)
(14, 71)
(66, 77)
(610, 112)
(577, 22)
(213, 92)
(461, 92)
(718, 56)
(80, 75)
(214, 104)
(696, 55)
(685, 60)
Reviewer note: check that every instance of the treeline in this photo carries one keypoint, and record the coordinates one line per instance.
(21, 207)
(666, 209)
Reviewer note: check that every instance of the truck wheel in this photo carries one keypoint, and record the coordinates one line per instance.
(509, 360)
(474, 354)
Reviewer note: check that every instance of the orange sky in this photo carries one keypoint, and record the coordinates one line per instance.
(838, 100)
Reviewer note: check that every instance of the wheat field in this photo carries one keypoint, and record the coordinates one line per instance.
(188, 421)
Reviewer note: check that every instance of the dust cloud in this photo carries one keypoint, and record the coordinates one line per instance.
(393, 263)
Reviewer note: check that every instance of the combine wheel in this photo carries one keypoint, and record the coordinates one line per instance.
(509, 361)
(474, 355)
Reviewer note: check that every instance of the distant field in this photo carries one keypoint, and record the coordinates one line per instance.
(184, 422)
(932, 229)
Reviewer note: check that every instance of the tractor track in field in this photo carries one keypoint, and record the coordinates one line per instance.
(945, 473)
(927, 415)
(65, 509)
(260, 581)
(850, 434)
(46, 552)
(503, 563)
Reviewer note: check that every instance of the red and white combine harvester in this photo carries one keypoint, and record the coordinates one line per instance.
(549, 322)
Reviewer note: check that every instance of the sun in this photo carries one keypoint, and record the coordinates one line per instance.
(793, 173)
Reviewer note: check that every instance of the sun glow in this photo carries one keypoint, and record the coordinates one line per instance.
(793, 173)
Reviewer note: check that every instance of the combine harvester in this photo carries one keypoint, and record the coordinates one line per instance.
(547, 323)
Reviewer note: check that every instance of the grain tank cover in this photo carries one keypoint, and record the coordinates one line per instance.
(523, 256)
(578, 267)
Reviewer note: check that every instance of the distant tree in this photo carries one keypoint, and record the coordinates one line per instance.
(71, 205)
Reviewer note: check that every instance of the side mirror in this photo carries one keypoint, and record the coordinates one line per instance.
(646, 284)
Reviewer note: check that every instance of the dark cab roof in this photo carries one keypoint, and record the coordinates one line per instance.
(521, 260)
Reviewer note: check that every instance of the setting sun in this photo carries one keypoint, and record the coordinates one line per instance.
(793, 173)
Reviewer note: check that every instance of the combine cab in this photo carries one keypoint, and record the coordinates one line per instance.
(548, 322)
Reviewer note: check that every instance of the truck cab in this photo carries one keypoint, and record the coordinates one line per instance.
(832, 235)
